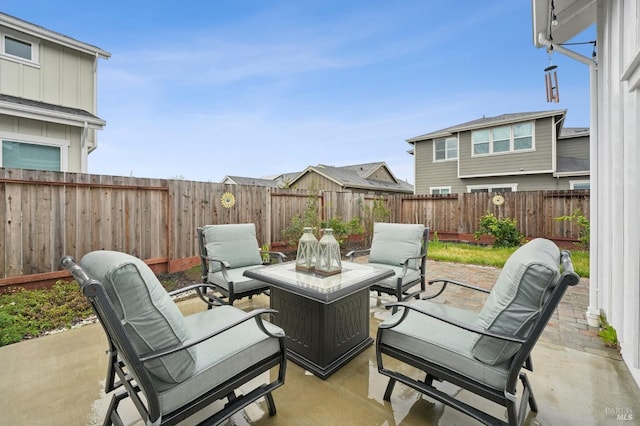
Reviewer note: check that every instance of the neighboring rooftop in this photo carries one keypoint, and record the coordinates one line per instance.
(356, 176)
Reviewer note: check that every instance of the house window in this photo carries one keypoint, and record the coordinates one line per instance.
(439, 190)
(445, 149)
(579, 184)
(481, 141)
(517, 137)
(19, 48)
(36, 154)
(522, 136)
(503, 187)
(501, 139)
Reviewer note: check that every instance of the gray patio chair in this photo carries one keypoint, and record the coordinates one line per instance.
(482, 352)
(226, 251)
(402, 248)
(170, 365)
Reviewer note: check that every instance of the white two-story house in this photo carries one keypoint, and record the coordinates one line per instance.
(510, 152)
(48, 98)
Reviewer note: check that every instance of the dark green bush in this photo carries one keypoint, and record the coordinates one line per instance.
(504, 231)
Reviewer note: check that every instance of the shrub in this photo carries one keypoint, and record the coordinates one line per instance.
(310, 217)
(504, 231)
(377, 212)
(585, 227)
(342, 230)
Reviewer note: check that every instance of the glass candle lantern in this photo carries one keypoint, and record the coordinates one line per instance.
(307, 246)
(328, 260)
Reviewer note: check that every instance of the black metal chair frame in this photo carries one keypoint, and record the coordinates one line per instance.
(506, 397)
(401, 290)
(231, 295)
(127, 375)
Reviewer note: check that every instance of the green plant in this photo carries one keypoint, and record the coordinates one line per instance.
(310, 217)
(607, 333)
(342, 230)
(585, 227)
(26, 314)
(265, 256)
(377, 212)
(504, 231)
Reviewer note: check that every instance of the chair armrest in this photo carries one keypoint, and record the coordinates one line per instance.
(216, 301)
(256, 313)
(405, 263)
(446, 281)
(353, 253)
(465, 326)
(224, 265)
(280, 257)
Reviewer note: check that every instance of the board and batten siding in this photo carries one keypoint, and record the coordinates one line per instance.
(63, 77)
(538, 160)
(381, 174)
(313, 181)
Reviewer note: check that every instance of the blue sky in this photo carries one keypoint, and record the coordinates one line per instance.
(204, 89)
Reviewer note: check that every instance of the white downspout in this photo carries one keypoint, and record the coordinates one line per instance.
(593, 310)
(84, 153)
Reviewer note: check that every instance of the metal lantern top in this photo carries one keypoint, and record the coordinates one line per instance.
(307, 246)
(328, 260)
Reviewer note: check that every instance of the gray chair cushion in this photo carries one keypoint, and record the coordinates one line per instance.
(441, 343)
(516, 298)
(241, 283)
(234, 243)
(412, 276)
(150, 317)
(222, 356)
(393, 243)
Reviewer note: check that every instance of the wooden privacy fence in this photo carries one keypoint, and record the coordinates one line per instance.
(46, 215)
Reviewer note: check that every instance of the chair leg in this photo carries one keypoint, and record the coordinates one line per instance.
(271, 404)
(112, 417)
(387, 393)
(527, 386)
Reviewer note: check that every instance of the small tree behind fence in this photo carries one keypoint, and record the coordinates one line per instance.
(46, 215)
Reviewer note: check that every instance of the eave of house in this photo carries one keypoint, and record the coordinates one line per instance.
(486, 122)
(42, 111)
(52, 36)
(561, 20)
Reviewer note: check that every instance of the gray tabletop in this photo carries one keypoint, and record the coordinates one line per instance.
(326, 289)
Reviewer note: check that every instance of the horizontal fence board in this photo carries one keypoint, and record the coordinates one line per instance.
(47, 215)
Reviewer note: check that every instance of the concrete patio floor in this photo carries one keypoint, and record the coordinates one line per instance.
(59, 379)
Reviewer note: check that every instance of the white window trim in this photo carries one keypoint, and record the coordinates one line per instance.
(35, 48)
(445, 149)
(513, 186)
(572, 183)
(63, 144)
(432, 188)
(511, 140)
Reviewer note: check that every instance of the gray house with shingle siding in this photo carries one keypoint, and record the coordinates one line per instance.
(511, 152)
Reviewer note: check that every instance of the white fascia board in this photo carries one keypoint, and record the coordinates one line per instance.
(45, 34)
(571, 174)
(24, 111)
(531, 172)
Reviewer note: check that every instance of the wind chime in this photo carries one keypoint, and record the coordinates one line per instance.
(551, 81)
